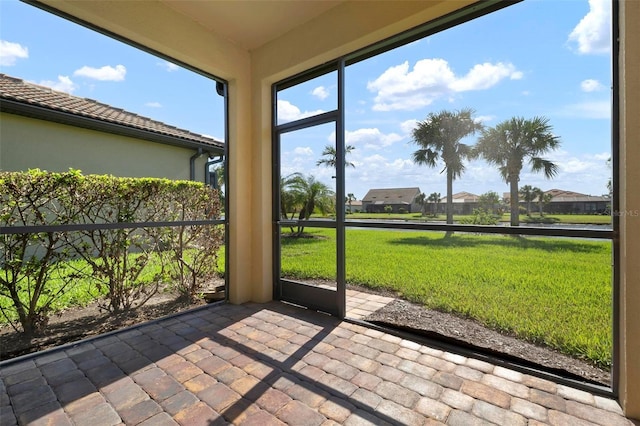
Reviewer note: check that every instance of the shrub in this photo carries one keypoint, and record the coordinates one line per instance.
(480, 217)
(29, 262)
(192, 254)
(31, 265)
(118, 257)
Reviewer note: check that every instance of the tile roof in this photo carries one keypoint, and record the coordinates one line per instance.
(560, 195)
(564, 196)
(15, 89)
(391, 195)
(462, 197)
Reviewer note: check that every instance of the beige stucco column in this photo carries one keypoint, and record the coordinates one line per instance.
(629, 179)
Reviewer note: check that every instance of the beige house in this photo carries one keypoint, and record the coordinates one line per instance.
(401, 200)
(253, 45)
(569, 202)
(575, 203)
(50, 130)
(463, 203)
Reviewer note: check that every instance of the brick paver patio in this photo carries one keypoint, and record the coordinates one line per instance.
(271, 364)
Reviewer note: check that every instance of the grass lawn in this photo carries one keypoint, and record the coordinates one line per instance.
(547, 290)
(82, 289)
(524, 219)
(581, 219)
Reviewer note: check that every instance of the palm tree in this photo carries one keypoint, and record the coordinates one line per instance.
(510, 143)
(434, 198)
(329, 153)
(350, 198)
(609, 181)
(543, 198)
(218, 173)
(421, 200)
(438, 137)
(490, 201)
(313, 194)
(219, 183)
(290, 197)
(528, 194)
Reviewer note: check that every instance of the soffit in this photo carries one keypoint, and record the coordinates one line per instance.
(251, 24)
(233, 38)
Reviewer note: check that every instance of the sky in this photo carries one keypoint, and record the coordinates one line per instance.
(45, 49)
(548, 58)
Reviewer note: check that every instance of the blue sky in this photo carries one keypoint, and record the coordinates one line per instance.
(42, 48)
(546, 58)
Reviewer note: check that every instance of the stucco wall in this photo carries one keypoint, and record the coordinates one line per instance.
(27, 143)
(629, 180)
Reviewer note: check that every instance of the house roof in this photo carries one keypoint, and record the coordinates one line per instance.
(563, 196)
(391, 195)
(21, 97)
(462, 197)
(560, 195)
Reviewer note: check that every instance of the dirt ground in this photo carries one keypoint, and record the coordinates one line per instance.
(471, 334)
(80, 323)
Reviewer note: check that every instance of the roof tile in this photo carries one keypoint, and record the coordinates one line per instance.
(15, 89)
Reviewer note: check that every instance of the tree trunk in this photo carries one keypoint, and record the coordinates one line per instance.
(449, 196)
(515, 210)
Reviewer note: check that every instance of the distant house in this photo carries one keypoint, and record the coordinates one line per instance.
(400, 200)
(50, 130)
(354, 206)
(569, 202)
(463, 203)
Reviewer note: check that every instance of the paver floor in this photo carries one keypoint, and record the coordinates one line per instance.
(272, 364)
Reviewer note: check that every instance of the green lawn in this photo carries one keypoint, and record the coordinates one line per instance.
(82, 289)
(591, 219)
(546, 290)
(524, 219)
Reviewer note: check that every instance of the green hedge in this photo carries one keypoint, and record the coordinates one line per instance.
(116, 258)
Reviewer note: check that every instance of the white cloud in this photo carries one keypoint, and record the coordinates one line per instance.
(484, 118)
(584, 173)
(154, 104)
(371, 138)
(485, 76)
(603, 156)
(169, 66)
(11, 52)
(106, 73)
(63, 84)
(320, 92)
(408, 125)
(593, 33)
(594, 109)
(303, 150)
(580, 172)
(591, 85)
(400, 88)
(289, 112)
(574, 165)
